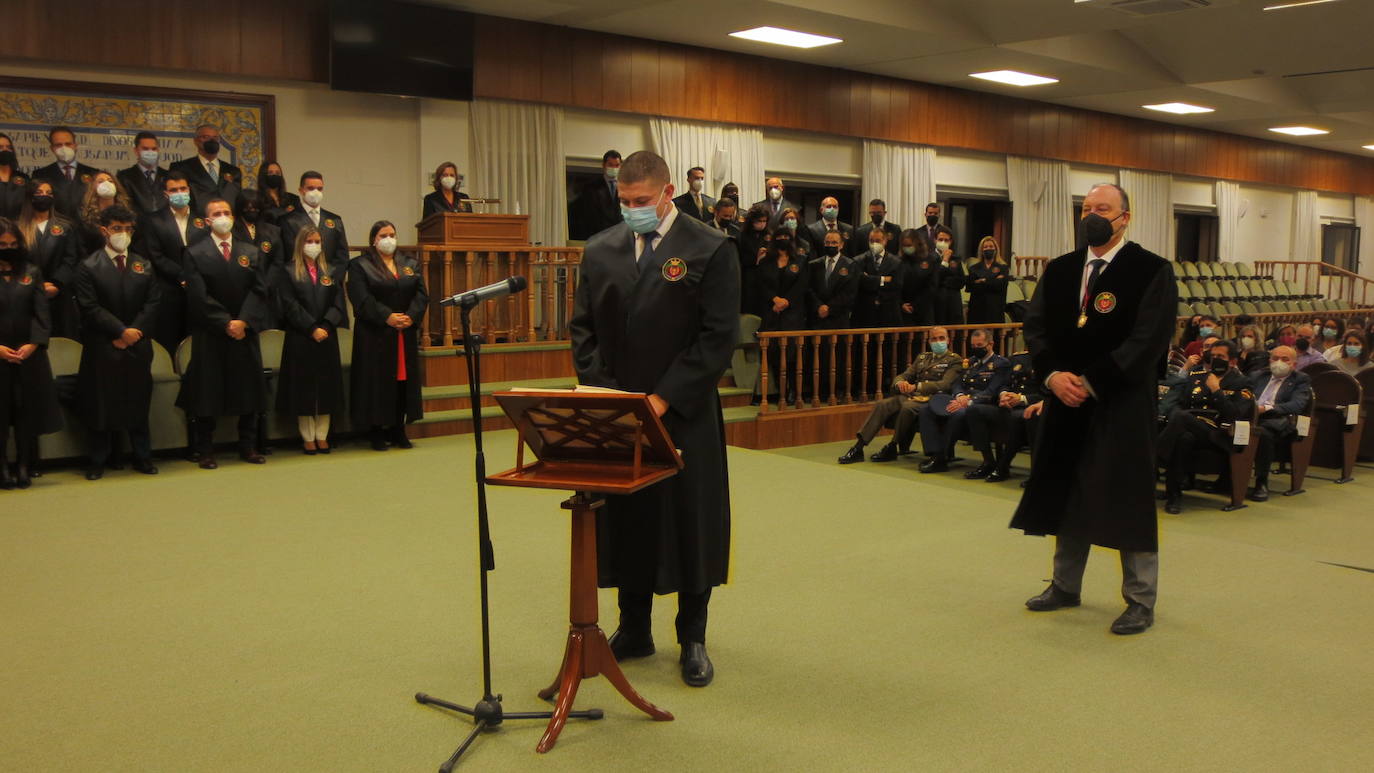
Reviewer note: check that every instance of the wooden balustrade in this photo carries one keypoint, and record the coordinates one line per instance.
(1028, 267)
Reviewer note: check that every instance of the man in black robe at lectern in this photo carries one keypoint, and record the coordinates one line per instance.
(657, 311)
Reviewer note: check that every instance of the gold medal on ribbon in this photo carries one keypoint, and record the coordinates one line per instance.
(1082, 319)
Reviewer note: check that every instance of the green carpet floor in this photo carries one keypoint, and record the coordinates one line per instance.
(280, 619)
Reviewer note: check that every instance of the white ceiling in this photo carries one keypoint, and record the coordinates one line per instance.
(1258, 69)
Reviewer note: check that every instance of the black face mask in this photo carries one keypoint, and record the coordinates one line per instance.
(10, 255)
(41, 203)
(7, 158)
(832, 251)
(1096, 229)
(249, 215)
(275, 181)
(989, 254)
(783, 244)
(932, 219)
(978, 352)
(1220, 365)
(723, 222)
(1303, 345)
(210, 147)
(876, 218)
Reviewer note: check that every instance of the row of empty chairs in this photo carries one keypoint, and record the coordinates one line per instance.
(1218, 270)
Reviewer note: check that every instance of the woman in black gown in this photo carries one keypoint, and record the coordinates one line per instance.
(28, 402)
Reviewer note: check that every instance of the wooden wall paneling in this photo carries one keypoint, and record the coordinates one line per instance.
(860, 105)
(899, 107)
(644, 77)
(617, 72)
(555, 59)
(879, 109)
(698, 83)
(918, 116)
(588, 72)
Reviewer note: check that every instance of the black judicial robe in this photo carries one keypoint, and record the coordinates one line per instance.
(273, 212)
(986, 299)
(836, 293)
(158, 238)
(375, 294)
(879, 304)
(27, 398)
(56, 252)
(667, 328)
(435, 204)
(919, 276)
(267, 238)
(11, 199)
(949, 280)
(224, 377)
(310, 381)
(66, 194)
(333, 240)
(115, 386)
(788, 282)
(1093, 467)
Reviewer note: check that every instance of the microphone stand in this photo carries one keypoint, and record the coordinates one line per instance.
(487, 713)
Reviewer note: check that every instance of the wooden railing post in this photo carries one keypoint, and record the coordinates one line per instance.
(763, 375)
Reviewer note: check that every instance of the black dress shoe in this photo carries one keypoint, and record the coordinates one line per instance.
(6, 479)
(252, 457)
(208, 463)
(1053, 599)
(1260, 493)
(1135, 619)
(626, 646)
(399, 439)
(1025, 483)
(887, 453)
(997, 476)
(146, 467)
(854, 454)
(21, 476)
(95, 473)
(936, 464)
(979, 472)
(697, 669)
(192, 456)
(1174, 504)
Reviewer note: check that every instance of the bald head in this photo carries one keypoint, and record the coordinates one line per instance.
(1283, 354)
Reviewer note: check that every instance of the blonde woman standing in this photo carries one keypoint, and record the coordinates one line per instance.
(310, 300)
(987, 285)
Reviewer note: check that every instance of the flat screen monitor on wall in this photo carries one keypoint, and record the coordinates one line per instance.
(387, 47)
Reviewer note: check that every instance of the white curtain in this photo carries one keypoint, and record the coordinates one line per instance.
(1041, 206)
(519, 157)
(727, 153)
(1307, 227)
(1152, 210)
(901, 175)
(1228, 221)
(1364, 219)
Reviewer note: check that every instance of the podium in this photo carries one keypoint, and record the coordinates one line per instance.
(592, 443)
(467, 230)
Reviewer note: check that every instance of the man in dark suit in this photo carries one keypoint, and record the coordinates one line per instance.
(932, 228)
(597, 207)
(832, 285)
(117, 293)
(694, 202)
(210, 177)
(143, 180)
(830, 221)
(776, 202)
(657, 311)
(227, 305)
(68, 176)
(877, 219)
(333, 240)
(1282, 393)
(162, 237)
(1098, 328)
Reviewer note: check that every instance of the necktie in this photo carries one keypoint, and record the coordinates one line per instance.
(696, 198)
(647, 254)
(224, 249)
(71, 173)
(210, 167)
(151, 181)
(119, 262)
(1097, 265)
(829, 267)
(315, 217)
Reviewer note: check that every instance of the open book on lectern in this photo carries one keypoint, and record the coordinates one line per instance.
(587, 439)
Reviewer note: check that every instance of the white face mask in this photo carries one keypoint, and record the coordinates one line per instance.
(1247, 343)
(697, 185)
(612, 172)
(105, 190)
(942, 246)
(387, 245)
(775, 193)
(119, 242)
(312, 250)
(449, 182)
(65, 154)
(1280, 369)
(148, 157)
(876, 248)
(222, 225)
(313, 197)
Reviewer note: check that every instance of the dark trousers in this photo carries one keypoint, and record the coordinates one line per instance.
(636, 610)
(205, 433)
(902, 411)
(103, 443)
(1139, 570)
(1175, 445)
(939, 427)
(1272, 431)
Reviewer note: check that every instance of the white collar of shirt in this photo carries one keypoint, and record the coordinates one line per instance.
(310, 211)
(109, 251)
(208, 161)
(1108, 256)
(663, 227)
(43, 225)
(142, 167)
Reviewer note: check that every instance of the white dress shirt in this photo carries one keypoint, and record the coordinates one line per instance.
(1108, 256)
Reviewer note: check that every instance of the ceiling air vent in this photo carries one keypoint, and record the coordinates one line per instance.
(1157, 7)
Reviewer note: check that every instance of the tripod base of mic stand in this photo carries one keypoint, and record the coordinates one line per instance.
(488, 715)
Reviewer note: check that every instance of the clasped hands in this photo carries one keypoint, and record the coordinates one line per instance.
(1069, 388)
(129, 337)
(399, 321)
(17, 356)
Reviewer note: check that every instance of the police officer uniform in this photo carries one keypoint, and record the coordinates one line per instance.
(982, 381)
(931, 374)
(989, 421)
(1198, 419)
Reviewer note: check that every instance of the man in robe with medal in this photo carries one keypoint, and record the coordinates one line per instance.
(1099, 327)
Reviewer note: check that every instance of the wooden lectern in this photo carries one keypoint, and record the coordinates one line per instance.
(464, 230)
(591, 443)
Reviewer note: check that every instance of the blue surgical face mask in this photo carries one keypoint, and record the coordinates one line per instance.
(1329, 332)
(644, 219)
(830, 213)
(1204, 330)
(939, 347)
(179, 200)
(1352, 350)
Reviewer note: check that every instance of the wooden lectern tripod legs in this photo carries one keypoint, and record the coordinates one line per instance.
(588, 654)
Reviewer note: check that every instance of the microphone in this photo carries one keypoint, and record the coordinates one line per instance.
(471, 298)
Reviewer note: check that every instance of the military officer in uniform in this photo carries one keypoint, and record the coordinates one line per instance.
(933, 372)
(657, 311)
(1211, 396)
(1006, 419)
(942, 422)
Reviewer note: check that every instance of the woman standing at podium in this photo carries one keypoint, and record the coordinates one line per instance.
(446, 196)
(388, 295)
